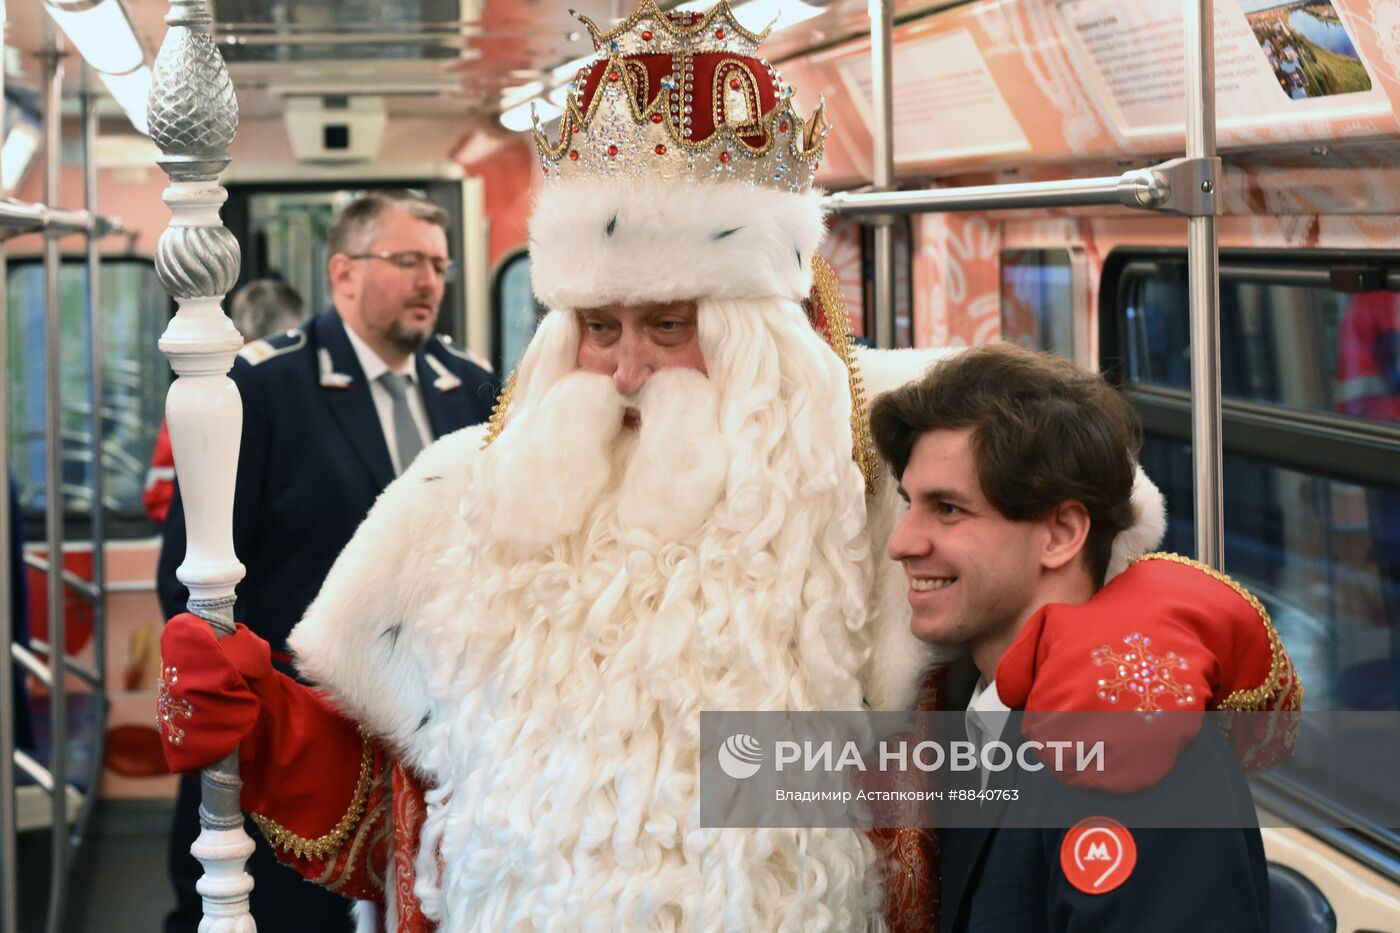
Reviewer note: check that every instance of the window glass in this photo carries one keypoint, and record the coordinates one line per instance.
(903, 329)
(1322, 556)
(135, 378)
(1308, 348)
(1037, 300)
(517, 312)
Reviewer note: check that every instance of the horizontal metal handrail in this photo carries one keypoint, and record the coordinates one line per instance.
(131, 586)
(23, 217)
(37, 772)
(32, 662)
(20, 215)
(84, 588)
(1178, 186)
(1075, 192)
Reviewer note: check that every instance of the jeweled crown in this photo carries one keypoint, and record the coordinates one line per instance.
(682, 95)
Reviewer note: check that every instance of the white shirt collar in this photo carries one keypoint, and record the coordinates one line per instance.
(986, 712)
(370, 362)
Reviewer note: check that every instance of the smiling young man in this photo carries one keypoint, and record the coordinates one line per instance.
(1018, 468)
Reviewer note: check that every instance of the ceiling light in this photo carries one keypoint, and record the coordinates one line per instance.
(101, 33)
(131, 91)
(513, 97)
(566, 71)
(518, 118)
(20, 145)
(757, 14)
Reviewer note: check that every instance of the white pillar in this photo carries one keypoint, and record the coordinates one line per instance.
(193, 116)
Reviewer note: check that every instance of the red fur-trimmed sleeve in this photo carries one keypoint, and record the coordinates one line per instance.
(353, 858)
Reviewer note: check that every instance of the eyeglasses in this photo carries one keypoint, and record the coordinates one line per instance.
(412, 261)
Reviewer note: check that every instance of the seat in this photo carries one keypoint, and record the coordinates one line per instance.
(1296, 904)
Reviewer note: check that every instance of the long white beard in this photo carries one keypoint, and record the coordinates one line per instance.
(607, 586)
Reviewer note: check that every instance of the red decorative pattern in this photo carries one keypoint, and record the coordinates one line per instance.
(911, 855)
(409, 813)
(709, 73)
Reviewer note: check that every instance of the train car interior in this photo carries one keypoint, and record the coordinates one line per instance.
(1076, 176)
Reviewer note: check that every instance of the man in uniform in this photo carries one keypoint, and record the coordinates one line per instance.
(1018, 469)
(332, 412)
(261, 308)
(676, 508)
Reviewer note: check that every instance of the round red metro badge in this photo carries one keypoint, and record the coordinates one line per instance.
(1098, 854)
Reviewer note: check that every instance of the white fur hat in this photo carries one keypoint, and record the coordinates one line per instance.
(635, 241)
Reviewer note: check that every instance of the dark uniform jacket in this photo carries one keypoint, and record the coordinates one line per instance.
(312, 461)
(1006, 879)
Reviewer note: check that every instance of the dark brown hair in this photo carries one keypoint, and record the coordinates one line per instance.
(1045, 432)
(352, 230)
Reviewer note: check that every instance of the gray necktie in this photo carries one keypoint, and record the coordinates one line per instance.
(406, 437)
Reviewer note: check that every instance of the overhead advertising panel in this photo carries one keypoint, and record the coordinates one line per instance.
(946, 104)
(1276, 64)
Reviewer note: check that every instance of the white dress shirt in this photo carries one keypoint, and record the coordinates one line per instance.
(985, 719)
(374, 367)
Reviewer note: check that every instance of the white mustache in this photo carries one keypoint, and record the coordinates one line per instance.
(555, 460)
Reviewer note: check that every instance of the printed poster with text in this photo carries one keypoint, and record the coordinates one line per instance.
(946, 104)
(1275, 62)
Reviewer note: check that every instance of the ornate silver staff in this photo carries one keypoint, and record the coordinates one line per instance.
(193, 116)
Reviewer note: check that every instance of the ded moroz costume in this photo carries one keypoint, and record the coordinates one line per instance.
(506, 731)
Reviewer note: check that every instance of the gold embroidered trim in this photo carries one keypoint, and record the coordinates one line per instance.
(498, 412)
(641, 104)
(1254, 698)
(748, 86)
(325, 846)
(838, 326)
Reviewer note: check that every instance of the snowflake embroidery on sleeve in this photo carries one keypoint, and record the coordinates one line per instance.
(168, 707)
(1142, 675)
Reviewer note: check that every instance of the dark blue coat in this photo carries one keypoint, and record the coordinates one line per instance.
(312, 462)
(1010, 880)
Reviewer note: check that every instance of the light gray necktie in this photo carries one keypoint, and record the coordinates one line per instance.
(406, 437)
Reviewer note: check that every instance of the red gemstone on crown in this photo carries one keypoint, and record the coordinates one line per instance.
(612, 75)
(660, 150)
(612, 150)
(719, 33)
(724, 157)
(734, 83)
(783, 127)
(646, 35)
(573, 155)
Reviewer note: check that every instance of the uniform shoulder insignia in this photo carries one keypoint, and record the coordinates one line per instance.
(462, 353)
(260, 351)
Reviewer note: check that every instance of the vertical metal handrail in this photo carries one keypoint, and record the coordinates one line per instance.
(96, 400)
(193, 116)
(53, 500)
(1203, 283)
(882, 150)
(9, 846)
